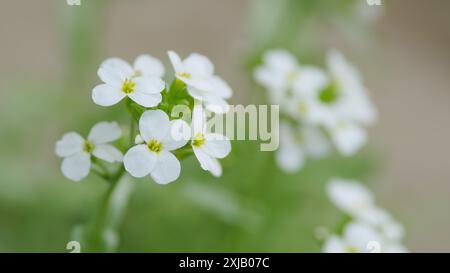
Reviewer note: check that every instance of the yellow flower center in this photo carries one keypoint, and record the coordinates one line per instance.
(128, 86)
(155, 146)
(184, 75)
(199, 140)
(88, 147)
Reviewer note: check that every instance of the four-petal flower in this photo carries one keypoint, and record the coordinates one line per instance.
(208, 147)
(197, 72)
(154, 157)
(77, 151)
(141, 83)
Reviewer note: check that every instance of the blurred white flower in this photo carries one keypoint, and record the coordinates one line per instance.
(343, 97)
(356, 238)
(342, 105)
(357, 201)
(279, 70)
(154, 156)
(335, 100)
(141, 83)
(197, 72)
(284, 77)
(298, 144)
(347, 137)
(359, 237)
(208, 147)
(383, 221)
(77, 151)
(350, 197)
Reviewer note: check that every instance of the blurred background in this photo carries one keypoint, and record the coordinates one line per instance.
(50, 53)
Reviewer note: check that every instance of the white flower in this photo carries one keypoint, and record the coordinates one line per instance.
(77, 151)
(154, 157)
(341, 105)
(285, 78)
(358, 202)
(360, 237)
(208, 147)
(347, 137)
(342, 96)
(357, 238)
(141, 83)
(382, 220)
(350, 196)
(296, 146)
(278, 71)
(197, 72)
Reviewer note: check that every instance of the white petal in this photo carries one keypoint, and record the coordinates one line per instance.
(114, 71)
(393, 230)
(348, 138)
(290, 156)
(138, 139)
(280, 59)
(374, 216)
(104, 132)
(334, 244)
(290, 160)
(167, 168)
(361, 236)
(270, 78)
(196, 93)
(107, 95)
(147, 91)
(199, 121)
(176, 62)
(199, 65)
(177, 136)
(217, 145)
(207, 162)
(220, 87)
(108, 153)
(349, 196)
(316, 143)
(357, 106)
(204, 85)
(147, 65)
(149, 85)
(154, 124)
(310, 80)
(70, 144)
(216, 104)
(139, 161)
(145, 99)
(77, 166)
(341, 69)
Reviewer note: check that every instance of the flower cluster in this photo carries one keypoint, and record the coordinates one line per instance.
(367, 227)
(319, 107)
(161, 140)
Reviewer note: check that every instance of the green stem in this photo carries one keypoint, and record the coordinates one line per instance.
(184, 152)
(132, 131)
(109, 213)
